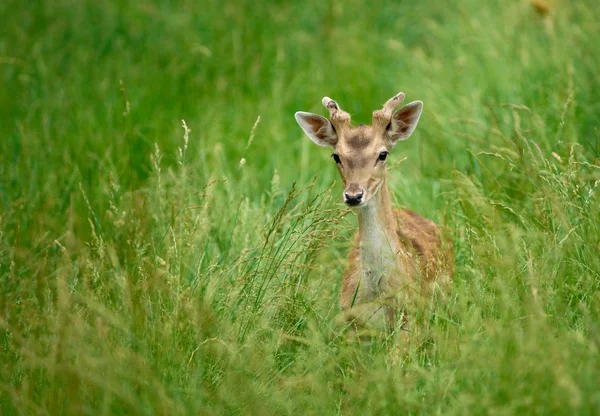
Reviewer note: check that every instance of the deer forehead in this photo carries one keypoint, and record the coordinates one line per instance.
(360, 141)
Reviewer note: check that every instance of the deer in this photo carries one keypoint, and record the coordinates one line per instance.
(397, 255)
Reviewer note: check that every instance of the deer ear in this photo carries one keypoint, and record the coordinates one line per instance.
(317, 128)
(404, 122)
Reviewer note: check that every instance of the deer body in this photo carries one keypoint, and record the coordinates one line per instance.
(397, 254)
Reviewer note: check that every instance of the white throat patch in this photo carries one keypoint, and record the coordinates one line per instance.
(377, 251)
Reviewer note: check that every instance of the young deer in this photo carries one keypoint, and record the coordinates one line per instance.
(397, 254)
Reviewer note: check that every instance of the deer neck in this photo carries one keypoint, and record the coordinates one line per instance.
(379, 242)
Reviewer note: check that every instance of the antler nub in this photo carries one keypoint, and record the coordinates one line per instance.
(329, 104)
(392, 103)
(381, 118)
(339, 118)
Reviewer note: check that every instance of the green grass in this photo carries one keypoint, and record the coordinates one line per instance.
(143, 274)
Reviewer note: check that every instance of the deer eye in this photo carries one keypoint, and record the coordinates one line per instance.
(383, 156)
(336, 158)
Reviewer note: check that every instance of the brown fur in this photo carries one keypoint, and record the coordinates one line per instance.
(424, 237)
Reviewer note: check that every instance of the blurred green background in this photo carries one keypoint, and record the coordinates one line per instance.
(145, 272)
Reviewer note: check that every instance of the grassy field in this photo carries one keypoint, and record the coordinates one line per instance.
(149, 268)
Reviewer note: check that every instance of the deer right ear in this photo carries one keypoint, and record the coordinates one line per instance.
(317, 128)
(404, 122)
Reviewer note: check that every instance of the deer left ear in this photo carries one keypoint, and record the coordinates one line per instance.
(404, 122)
(317, 128)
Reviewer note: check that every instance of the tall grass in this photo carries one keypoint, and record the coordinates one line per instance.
(150, 267)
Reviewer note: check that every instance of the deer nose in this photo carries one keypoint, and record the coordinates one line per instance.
(353, 199)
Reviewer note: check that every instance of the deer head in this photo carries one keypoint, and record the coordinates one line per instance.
(360, 152)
